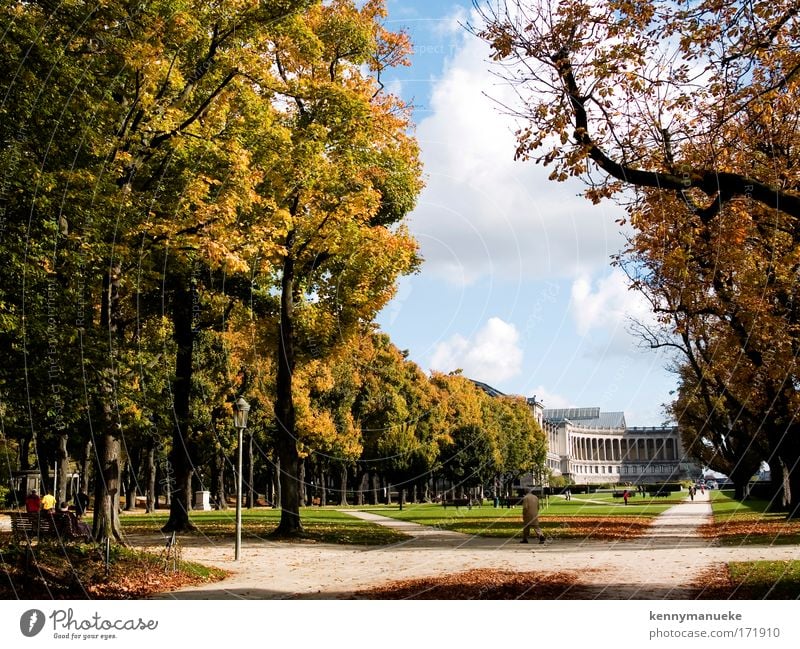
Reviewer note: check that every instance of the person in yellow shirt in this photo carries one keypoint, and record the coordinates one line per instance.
(48, 502)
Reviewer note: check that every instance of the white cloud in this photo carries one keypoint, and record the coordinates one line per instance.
(492, 355)
(482, 213)
(606, 303)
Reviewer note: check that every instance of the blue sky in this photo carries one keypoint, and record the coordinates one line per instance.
(517, 287)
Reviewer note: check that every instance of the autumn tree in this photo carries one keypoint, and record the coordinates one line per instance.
(347, 175)
(469, 452)
(725, 441)
(127, 122)
(723, 294)
(692, 105)
(521, 442)
(399, 414)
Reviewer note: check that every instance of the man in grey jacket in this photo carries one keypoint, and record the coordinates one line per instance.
(530, 517)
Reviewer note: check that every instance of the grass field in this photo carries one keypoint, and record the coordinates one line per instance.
(766, 579)
(597, 516)
(748, 522)
(322, 524)
(753, 580)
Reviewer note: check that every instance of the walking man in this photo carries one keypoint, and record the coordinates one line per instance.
(530, 517)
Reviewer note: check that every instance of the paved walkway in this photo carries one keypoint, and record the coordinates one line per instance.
(660, 565)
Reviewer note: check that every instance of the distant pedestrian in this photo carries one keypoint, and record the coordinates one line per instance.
(691, 492)
(530, 517)
(625, 496)
(568, 493)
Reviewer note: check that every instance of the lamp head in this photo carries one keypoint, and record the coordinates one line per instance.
(240, 410)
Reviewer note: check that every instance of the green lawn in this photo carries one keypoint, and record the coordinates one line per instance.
(748, 522)
(593, 516)
(583, 505)
(726, 508)
(766, 579)
(321, 524)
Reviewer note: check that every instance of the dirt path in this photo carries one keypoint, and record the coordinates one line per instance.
(660, 565)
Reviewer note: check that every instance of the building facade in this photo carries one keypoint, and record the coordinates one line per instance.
(588, 446)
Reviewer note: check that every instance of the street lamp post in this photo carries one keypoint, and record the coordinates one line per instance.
(240, 410)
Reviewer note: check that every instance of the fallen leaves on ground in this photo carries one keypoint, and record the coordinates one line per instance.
(714, 583)
(564, 527)
(601, 528)
(78, 572)
(477, 584)
(759, 529)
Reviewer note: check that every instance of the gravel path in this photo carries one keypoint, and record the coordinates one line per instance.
(660, 565)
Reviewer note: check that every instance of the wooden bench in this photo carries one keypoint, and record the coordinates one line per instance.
(58, 525)
(456, 502)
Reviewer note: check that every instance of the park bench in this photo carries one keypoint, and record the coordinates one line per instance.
(659, 493)
(456, 502)
(58, 525)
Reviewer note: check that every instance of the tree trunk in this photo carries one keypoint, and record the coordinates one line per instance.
(791, 485)
(776, 497)
(290, 524)
(289, 490)
(150, 479)
(130, 486)
(218, 480)
(739, 488)
(373, 488)
(106, 500)
(180, 456)
(343, 486)
(44, 473)
(361, 483)
(86, 464)
(301, 481)
(277, 483)
(25, 453)
(62, 479)
(167, 483)
(323, 487)
(268, 486)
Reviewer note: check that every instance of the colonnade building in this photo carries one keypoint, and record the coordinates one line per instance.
(587, 446)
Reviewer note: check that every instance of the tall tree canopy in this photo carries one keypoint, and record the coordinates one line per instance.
(692, 105)
(150, 149)
(656, 94)
(348, 174)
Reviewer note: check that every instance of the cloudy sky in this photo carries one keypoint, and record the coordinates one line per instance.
(517, 288)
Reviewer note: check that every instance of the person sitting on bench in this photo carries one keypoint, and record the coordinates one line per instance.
(75, 527)
(33, 503)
